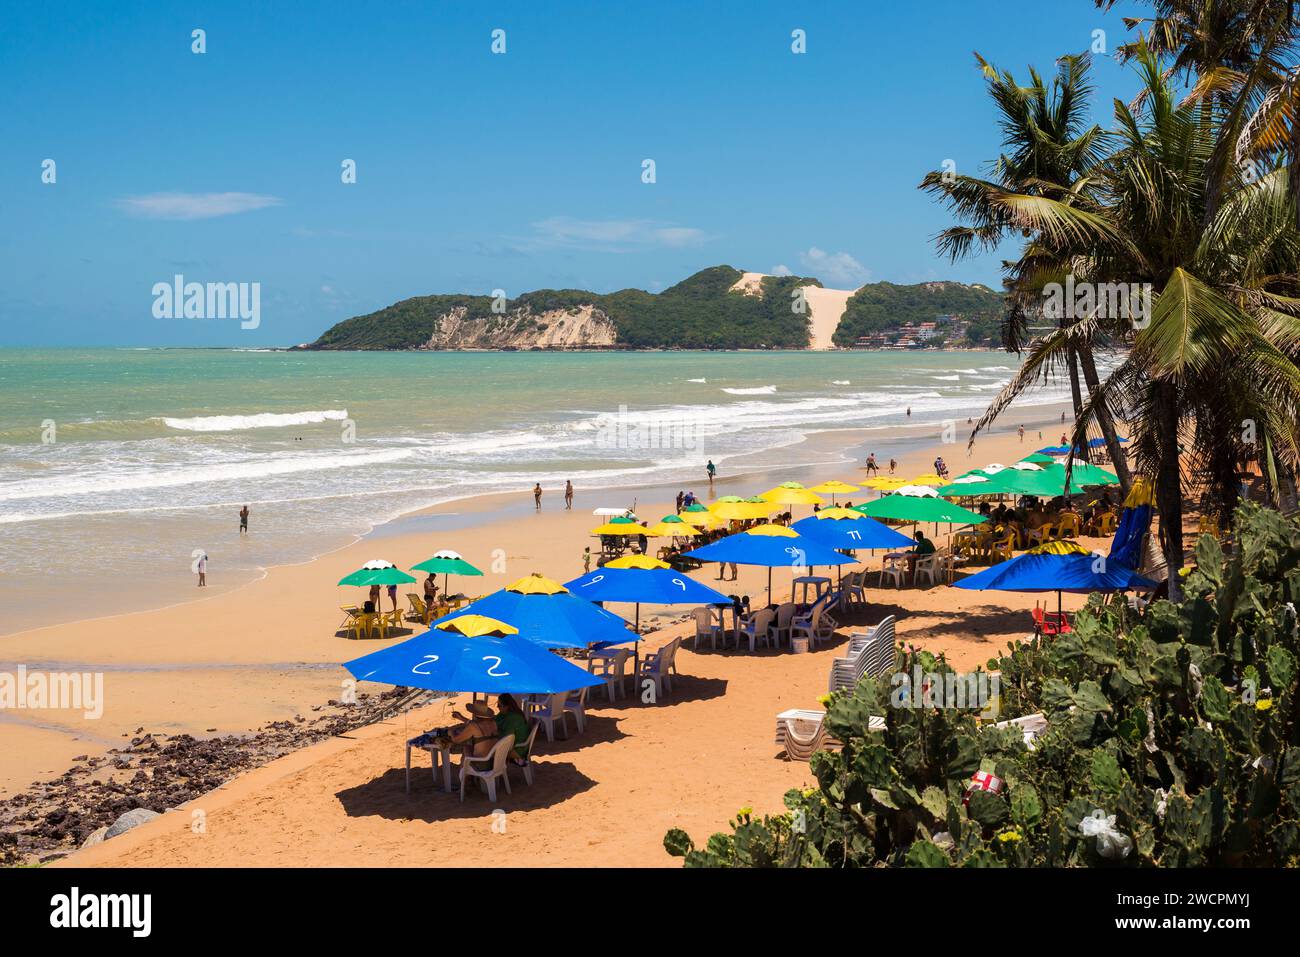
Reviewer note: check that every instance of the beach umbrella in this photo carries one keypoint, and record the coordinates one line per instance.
(993, 468)
(486, 657)
(1082, 473)
(741, 510)
(650, 583)
(702, 519)
(613, 513)
(885, 484)
(1060, 567)
(770, 546)
(833, 488)
(906, 508)
(929, 478)
(446, 563)
(673, 530)
(791, 493)
(548, 614)
(377, 572)
(694, 509)
(1134, 523)
(1038, 458)
(849, 534)
(619, 528)
(916, 491)
(1098, 443)
(1025, 466)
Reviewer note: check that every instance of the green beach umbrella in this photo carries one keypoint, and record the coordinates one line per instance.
(377, 573)
(445, 563)
(1038, 458)
(697, 507)
(1081, 473)
(906, 508)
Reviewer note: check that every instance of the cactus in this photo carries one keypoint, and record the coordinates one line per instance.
(1180, 722)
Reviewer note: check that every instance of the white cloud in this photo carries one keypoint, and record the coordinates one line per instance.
(781, 270)
(612, 235)
(194, 205)
(838, 269)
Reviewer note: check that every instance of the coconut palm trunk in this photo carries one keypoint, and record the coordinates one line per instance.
(1169, 490)
(1118, 459)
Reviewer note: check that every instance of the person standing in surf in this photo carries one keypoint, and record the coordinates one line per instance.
(243, 520)
(568, 496)
(712, 470)
(537, 496)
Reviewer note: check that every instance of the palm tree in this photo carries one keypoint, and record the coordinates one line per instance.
(1052, 155)
(1214, 354)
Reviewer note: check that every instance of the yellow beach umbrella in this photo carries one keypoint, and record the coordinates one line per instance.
(637, 561)
(792, 493)
(834, 487)
(885, 484)
(702, 519)
(536, 584)
(928, 479)
(774, 531)
(619, 528)
(476, 626)
(840, 512)
(672, 530)
(742, 511)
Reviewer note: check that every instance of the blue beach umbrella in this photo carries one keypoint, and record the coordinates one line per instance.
(548, 614)
(1059, 567)
(486, 662)
(770, 546)
(640, 579)
(851, 533)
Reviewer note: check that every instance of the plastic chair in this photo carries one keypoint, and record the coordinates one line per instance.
(894, 570)
(550, 710)
(658, 668)
(488, 768)
(612, 666)
(526, 765)
(926, 566)
(575, 703)
(758, 628)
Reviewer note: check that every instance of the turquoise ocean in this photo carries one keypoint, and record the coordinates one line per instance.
(116, 464)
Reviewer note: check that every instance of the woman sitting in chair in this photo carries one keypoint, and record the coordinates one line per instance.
(476, 734)
(510, 719)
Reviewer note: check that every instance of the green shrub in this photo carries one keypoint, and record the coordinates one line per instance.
(1179, 722)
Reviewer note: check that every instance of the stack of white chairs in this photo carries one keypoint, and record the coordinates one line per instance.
(868, 653)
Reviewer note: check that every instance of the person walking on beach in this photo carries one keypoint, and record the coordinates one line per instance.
(1022, 434)
(586, 559)
(681, 496)
(201, 566)
(392, 596)
(243, 520)
(568, 495)
(909, 411)
(893, 464)
(872, 467)
(537, 496)
(712, 470)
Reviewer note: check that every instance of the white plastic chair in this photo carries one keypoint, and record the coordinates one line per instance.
(855, 592)
(781, 627)
(706, 626)
(550, 710)
(759, 628)
(658, 668)
(612, 667)
(527, 766)
(813, 625)
(927, 566)
(488, 768)
(894, 570)
(575, 703)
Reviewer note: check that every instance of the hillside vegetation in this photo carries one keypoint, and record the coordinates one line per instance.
(884, 306)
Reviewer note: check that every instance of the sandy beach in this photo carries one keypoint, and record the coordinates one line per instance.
(268, 651)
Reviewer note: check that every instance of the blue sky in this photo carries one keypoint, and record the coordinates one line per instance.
(476, 170)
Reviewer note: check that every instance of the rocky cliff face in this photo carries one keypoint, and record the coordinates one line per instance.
(583, 327)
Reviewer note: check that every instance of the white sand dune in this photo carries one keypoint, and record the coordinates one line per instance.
(827, 306)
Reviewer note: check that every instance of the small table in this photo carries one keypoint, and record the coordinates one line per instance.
(821, 585)
(721, 612)
(441, 754)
